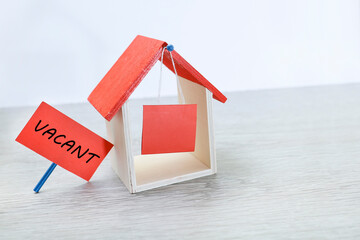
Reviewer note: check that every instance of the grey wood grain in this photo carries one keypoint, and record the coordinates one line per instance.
(288, 168)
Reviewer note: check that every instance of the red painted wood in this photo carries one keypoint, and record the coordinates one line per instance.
(125, 75)
(132, 66)
(185, 70)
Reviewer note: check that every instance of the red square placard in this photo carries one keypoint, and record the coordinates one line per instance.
(169, 128)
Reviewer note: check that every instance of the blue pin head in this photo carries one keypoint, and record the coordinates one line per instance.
(170, 47)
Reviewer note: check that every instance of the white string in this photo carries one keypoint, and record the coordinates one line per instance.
(177, 77)
(162, 58)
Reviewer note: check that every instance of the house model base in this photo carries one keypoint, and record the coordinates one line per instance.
(110, 99)
(145, 172)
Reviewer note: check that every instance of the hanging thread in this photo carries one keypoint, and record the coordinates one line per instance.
(170, 48)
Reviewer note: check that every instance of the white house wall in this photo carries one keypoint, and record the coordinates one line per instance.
(197, 94)
(120, 155)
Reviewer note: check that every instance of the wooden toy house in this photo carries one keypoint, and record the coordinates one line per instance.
(110, 97)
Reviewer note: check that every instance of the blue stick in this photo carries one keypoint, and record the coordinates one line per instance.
(45, 177)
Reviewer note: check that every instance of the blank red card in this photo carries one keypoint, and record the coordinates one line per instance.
(169, 128)
(63, 141)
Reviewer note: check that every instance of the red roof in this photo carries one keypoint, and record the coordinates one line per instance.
(132, 66)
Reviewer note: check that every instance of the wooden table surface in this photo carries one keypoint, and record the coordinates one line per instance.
(288, 168)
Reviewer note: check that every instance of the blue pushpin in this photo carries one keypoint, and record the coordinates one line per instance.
(45, 177)
(170, 47)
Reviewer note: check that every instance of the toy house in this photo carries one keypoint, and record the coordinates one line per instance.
(110, 97)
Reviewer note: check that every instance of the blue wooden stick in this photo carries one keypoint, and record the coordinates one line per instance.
(45, 177)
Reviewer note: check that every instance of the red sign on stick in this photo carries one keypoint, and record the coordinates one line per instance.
(63, 141)
(169, 128)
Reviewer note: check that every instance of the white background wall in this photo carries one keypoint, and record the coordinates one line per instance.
(57, 51)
